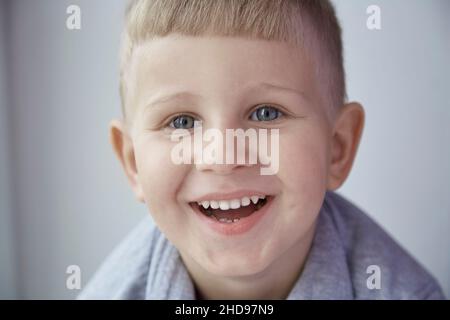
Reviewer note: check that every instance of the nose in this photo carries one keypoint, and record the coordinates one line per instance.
(220, 169)
(222, 152)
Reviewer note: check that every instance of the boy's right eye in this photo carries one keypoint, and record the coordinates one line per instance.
(184, 122)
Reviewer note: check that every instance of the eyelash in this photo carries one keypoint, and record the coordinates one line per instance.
(167, 124)
(282, 113)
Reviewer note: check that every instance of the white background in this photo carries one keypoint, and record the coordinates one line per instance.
(64, 200)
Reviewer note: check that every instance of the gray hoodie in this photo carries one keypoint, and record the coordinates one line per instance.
(351, 258)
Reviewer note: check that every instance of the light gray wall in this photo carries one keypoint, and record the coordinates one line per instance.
(71, 201)
(7, 248)
(401, 74)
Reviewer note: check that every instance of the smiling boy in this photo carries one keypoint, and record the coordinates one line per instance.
(224, 230)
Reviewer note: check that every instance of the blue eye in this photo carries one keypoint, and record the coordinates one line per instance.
(184, 122)
(265, 113)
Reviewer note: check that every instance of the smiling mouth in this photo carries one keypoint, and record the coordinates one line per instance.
(231, 211)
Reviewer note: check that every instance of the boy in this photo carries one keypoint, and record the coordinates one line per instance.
(231, 230)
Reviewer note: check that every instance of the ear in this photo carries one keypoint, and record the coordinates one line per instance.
(347, 134)
(124, 150)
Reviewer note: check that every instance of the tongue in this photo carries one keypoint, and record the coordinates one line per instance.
(234, 213)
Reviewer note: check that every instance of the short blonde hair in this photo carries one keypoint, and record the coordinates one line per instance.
(311, 24)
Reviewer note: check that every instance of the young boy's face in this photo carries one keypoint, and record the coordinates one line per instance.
(227, 80)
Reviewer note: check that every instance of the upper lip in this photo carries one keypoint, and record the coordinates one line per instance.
(230, 195)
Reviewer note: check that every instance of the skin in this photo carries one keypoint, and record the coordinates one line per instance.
(316, 154)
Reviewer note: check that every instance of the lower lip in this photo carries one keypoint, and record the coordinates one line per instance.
(238, 227)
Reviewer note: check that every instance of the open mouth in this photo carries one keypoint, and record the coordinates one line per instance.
(231, 211)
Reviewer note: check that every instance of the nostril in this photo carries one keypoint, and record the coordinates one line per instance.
(222, 169)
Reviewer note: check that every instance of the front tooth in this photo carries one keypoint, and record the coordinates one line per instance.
(235, 204)
(224, 205)
(245, 201)
(214, 204)
(205, 204)
(255, 199)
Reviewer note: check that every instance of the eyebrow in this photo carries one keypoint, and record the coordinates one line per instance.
(172, 96)
(254, 87)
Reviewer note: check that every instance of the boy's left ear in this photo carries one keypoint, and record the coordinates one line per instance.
(347, 133)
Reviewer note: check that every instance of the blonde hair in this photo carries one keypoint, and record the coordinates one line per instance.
(311, 24)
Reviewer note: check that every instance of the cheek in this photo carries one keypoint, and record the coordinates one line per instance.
(159, 177)
(303, 172)
(303, 157)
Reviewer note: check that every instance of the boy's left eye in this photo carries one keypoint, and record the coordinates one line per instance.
(265, 113)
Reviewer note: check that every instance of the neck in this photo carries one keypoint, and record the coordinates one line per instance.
(275, 282)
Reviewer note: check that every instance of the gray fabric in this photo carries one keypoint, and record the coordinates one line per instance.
(146, 266)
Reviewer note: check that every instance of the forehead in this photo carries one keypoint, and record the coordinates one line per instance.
(217, 65)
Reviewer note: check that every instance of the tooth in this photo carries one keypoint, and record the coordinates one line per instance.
(262, 197)
(223, 220)
(229, 221)
(259, 205)
(254, 199)
(205, 204)
(235, 219)
(224, 205)
(235, 204)
(214, 204)
(245, 201)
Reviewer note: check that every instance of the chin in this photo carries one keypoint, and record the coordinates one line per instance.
(233, 265)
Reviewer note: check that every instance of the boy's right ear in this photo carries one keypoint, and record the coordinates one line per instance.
(124, 150)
